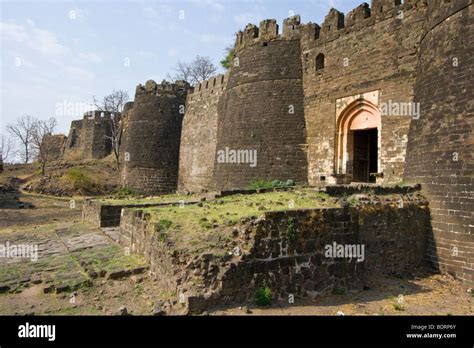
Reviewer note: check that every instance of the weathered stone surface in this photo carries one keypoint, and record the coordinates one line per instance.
(286, 97)
(440, 146)
(199, 135)
(287, 249)
(90, 137)
(155, 121)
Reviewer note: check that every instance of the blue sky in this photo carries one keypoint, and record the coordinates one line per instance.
(56, 55)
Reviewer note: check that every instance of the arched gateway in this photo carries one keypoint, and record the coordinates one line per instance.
(358, 142)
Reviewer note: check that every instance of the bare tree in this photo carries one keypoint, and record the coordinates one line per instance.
(182, 71)
(113, 103)
(5, 147)
(200, 69)
(21, 130)
(43, 145)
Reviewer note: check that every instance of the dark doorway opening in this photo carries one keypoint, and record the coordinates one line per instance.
(365, 155)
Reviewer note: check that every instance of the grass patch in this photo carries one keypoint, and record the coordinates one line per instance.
(133, 200)
(204, 223)
(268, 184)
(165, 224)
(398, 306)
(193, 225)
(124, 192)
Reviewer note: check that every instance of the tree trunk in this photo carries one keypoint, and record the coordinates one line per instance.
(27, 157)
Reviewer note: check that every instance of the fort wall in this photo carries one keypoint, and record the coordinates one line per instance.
(54, 146)
(199, 135)
(440, 145)
(90, 138)
(153, 138)
(261, 110)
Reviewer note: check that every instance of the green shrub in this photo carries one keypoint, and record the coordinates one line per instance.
(398, 307)
(163, 238)
(204, 223)
(263, 296)
(352, 201)
(165, 224)
(260, 184)
(124, 192)
(80, 181)
(291, 232)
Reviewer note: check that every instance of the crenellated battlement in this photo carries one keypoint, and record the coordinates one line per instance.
(334, 22)
(179, 88)
(97, 115)
(268, 30)
(214, 83)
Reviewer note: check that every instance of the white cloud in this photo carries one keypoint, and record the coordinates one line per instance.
(42, 41)
(12, 32)
(46, 43)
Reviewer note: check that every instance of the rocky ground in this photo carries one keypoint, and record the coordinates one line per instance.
(424, 293)
(82, 270)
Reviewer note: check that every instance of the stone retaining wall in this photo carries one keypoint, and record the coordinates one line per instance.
(288, 250)
(109, 215)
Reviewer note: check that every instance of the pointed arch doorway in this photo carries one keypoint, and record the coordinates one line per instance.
(358, 142)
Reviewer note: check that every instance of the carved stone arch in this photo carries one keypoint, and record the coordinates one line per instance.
(359, 115)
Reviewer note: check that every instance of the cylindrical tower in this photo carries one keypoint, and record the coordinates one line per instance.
(261, 128)
(440, 147)
(151, 149)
